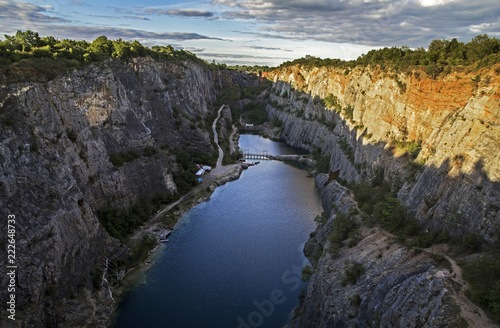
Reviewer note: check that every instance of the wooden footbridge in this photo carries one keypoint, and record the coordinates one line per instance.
(263, 155)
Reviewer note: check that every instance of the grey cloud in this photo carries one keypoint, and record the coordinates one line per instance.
(136, 17)
(238, 56)
(26, 12)
(91, 32)
(190, 13)
(376, 23)
(179, 12)
(268, 48)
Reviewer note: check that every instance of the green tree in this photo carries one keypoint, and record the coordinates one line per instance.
(121, 49)
(102, 46)
(138, 48)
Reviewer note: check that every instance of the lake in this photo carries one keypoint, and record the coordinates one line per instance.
(235, 260)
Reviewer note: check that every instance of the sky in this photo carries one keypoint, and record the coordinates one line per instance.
(258, 32)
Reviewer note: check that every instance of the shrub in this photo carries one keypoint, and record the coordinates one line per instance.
(320, 219)
(118, 159)
(352, 272)
(307, 272)
(72, 135)
(349, 113)
(255, 112)
(150, 151)
(483, 276)
(119, 223)
(343, 226)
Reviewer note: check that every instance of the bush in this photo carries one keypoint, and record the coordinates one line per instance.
(320, 219)
(343, 226)
(118, 159)
(150, 151)
(255, 112)
(483, 276)
(119, 223)
(307, 272)
(352, 272)
(72, 135)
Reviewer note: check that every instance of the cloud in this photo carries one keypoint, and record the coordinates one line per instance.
(367, 22)
(179, 12)
(241, 59)
(136, 17)
(20, 11)
(238, 56)
(89, 33)
(75, 3)
(268, 48)
(189, 13)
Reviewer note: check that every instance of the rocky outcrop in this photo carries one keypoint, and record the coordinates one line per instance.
(453, 184)
(397, 287)
(57, 142)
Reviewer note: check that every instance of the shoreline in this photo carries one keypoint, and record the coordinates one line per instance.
(218, 177)
(133, 275)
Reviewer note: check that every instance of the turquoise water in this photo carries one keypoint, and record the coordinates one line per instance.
(234, 261)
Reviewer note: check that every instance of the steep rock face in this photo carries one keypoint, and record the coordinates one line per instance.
(453, 184)
(455, 118)
(56, 141)
(397, 288)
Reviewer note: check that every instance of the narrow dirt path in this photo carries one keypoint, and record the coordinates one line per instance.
(216, 138)
(475, 316)
(218, 173)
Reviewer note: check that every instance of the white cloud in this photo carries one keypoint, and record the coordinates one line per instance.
(369, 22)
(480, 28)
(431, 3)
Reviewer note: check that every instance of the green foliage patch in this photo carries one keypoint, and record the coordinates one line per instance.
(483, 276)
(352, 272)
(255, 112)
(120, 158)
(322, 161)
(48, 57)
(120, 223)
(482, 51)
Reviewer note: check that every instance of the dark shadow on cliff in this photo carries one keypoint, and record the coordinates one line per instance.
(442, 197)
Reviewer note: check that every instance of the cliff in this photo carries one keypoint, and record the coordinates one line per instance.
(57, 145)
(436, 141)
(454, 119)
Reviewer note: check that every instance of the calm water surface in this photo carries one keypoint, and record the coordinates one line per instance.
(234, 261)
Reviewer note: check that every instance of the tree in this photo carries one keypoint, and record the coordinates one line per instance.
(138, 48)
(122, 49)
(102, 46)
(24, 41)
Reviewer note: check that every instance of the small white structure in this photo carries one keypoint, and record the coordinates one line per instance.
(207, 168)
(249, 125)
(200, 172)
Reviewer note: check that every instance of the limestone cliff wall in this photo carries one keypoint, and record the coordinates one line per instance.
(455, 118)
(55, 171)
(398, 288)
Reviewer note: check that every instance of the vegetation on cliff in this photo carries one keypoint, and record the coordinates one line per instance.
(26, 55)
(482, 49)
